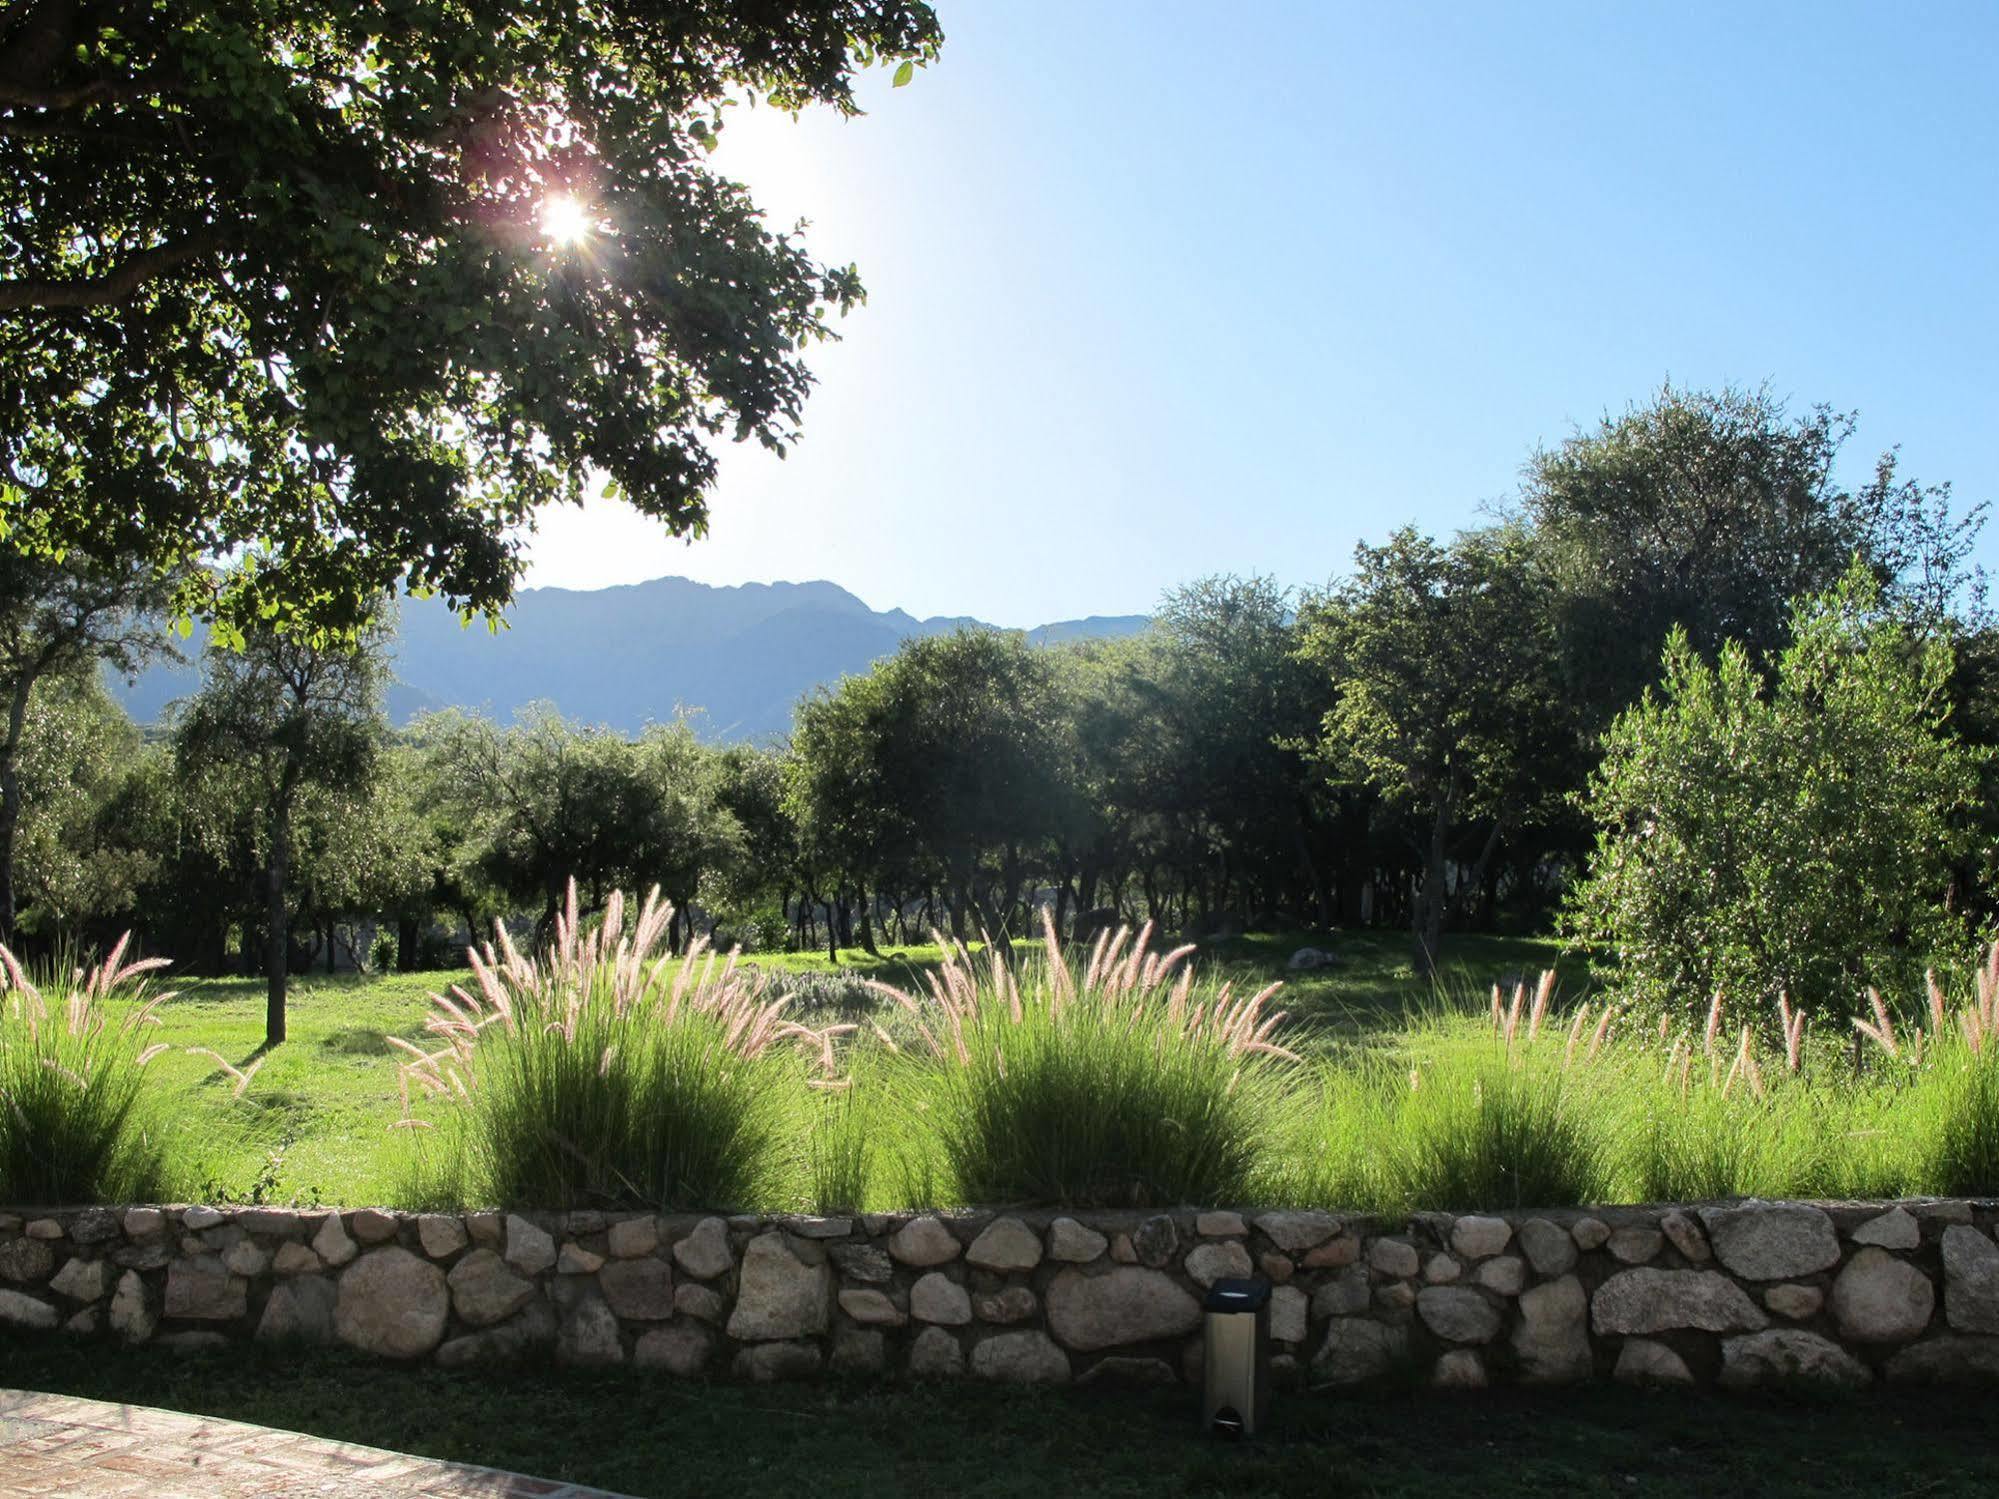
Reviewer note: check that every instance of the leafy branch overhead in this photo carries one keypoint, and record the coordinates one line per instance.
(278, 278)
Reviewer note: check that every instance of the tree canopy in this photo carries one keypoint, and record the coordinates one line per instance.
(356, 289)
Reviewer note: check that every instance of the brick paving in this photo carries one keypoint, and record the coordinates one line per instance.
(56, 1445)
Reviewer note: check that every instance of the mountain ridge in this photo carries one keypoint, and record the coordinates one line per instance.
(741, 654)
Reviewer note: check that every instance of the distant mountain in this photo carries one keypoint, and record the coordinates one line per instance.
(633, 654)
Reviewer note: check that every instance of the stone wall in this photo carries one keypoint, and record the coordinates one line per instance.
(1736, 1295)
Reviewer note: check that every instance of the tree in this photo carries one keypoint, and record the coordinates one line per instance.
(61, 619)
(1712, 513)
(75, 753)
(358, 288)
(1440, 659)
(1233, 705)
(1791, 835)
(284, 722)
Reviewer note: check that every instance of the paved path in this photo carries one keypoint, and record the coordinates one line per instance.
(55, 1445)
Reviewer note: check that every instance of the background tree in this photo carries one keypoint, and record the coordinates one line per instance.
(1440, 659)
(279, 722)
(57, 619)
(76, 750)
(281, 249)
(1712, 512)
(1794, 834)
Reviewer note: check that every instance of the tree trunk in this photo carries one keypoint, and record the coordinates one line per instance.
(866, 930)
(10, 800)
(277, 932)
(1427, 908)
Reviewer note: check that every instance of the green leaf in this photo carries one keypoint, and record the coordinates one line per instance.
(904, 73)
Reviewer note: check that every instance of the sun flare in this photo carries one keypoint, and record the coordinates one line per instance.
(565, 220)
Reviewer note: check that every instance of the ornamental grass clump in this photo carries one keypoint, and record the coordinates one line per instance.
(73, 1111)
(1507, 1119)
(609, 1073)
(1952, 1113)
(1122, 1082)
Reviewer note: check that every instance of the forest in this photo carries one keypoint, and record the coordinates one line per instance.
(1421, 743)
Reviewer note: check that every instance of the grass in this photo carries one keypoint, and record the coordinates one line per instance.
(77, 1122)
(1117, 1082)
(645, 1436)
(606, 1073)
(1408, 1095)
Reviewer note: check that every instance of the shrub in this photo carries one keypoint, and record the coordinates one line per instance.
(605, 1073)
(1125, 1084)
(1790, 836)
(73, 1116)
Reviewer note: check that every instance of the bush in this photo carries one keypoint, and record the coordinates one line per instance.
(1124, 1085)
(1494, 1129)
(73, 1112)
(1790, 837)
(606, 1074)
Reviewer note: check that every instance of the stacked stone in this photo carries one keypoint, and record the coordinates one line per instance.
(1747, 1294)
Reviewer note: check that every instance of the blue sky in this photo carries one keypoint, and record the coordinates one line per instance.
(1163, 289)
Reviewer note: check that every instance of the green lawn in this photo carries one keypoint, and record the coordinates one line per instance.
(314, 1125)
(645, 1436)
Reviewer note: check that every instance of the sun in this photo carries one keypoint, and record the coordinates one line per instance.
(565, 220)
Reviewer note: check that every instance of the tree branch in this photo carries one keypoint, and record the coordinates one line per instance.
(115, 285)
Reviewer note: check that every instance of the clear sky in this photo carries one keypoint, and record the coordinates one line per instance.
(1160, 289)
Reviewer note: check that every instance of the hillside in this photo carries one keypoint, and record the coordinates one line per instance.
(628, 655)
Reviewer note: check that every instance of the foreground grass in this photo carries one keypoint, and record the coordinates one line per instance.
(644, 1436)
(313, 1127)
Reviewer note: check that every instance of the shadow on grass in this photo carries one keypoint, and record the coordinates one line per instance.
(643, 1435)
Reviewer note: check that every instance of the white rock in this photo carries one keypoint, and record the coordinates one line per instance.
(1288, 1309)
(82, 1280)
(331, 1243)
(1393, 1257)
(393, 1303)
(441, 1234)
(1460, 1369)
(1880, 1299)
(937, 1298)
(530, 1249)
(1551, 1339)
(1643, 1362)
(779, 1297)
(1549, 1248)
(924, 1242)
(1295, 1232)
(633, 1238)
(1006, 1244)
(1458, 1314)
(705, 1253)
(1020, 1358)
(1126, 1304)
(1477, 1238)
(1971, 1280)
(18, 1309)
(1772, 1240)
(1894, 1229)
(485, 1291)
(1789, 1356)
(1505, 1275)
(1207, 1263)
(1648, 1301)
(871, 1308)
(132, 1315)
(1356, 1350)
(1069, 1241)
